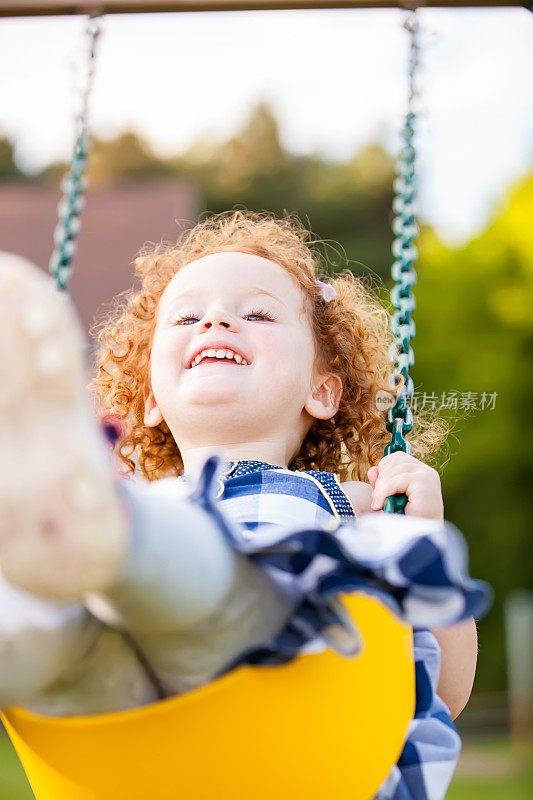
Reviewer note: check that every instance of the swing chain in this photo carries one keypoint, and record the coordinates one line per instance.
(74, 183)
(399, 419)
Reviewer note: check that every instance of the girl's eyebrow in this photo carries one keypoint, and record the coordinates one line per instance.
(254, 290)
(164, 309)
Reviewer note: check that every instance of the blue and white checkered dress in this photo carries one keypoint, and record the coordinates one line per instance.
(299, 527)
(256, 493)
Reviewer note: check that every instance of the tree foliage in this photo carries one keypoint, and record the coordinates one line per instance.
(8, 167)
(475, 334)
(348, 202)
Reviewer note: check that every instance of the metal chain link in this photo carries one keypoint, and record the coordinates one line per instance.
(74, 183)
(405, 228)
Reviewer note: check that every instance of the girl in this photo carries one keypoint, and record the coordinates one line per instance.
(231, 346)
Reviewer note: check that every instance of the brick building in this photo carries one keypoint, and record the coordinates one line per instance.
(116, 222)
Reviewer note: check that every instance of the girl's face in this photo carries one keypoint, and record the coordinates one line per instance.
(251, 306)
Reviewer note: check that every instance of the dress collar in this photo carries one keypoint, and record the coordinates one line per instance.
(234, 469)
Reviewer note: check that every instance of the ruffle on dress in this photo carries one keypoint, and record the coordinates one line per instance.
(414, 566)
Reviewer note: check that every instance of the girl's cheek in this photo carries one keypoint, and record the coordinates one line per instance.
(172, 345)
(164, 359)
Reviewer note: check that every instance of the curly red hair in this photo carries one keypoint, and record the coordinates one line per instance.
(351, 333)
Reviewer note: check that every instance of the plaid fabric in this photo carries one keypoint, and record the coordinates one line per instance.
(416, 567)
(256, 493)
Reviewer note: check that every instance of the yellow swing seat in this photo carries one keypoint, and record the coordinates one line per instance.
(321, 726)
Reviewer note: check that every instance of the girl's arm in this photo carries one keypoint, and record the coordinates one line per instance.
(458, 642)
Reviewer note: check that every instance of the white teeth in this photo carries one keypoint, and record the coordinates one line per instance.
(222, 353)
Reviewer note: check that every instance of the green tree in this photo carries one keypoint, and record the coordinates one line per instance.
(124, 158)
(475, 334)
(348, 202)
(251, 155)
(345, 202)
(8, 167)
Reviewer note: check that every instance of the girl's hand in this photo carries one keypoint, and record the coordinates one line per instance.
(401, 473)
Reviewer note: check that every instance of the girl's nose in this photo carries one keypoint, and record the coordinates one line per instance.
(218, 319)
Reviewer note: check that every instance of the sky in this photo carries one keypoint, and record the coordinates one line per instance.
(336, 80)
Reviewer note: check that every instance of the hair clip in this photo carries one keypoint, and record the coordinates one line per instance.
(327, 291)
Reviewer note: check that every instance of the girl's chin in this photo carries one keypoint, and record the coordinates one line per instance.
(213, 396)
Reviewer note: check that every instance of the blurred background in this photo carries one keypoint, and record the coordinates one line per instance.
(301, 110)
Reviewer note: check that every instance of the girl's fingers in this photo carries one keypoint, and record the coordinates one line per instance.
(399, 457)
(401, 467)
(372, 475)
(401, 473)
(406, 473)
(388, 467)
(390, 485)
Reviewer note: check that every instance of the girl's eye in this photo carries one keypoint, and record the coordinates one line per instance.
(179, 320)
(260, 312)
(255, 315)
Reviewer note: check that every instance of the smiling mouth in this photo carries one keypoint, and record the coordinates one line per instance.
(220, 356)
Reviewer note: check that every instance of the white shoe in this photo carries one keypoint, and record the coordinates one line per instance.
(63, 528)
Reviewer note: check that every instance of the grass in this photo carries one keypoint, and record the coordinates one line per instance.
(486, 772)
(13, 782)
(489, 770)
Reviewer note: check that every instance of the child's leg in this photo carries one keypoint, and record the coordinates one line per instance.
(180, 569)
(62, 529)
(39, 641)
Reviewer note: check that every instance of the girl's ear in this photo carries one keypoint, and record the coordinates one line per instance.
(152, 414)
(326, 397)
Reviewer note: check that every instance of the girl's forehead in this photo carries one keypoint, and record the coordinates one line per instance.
(233, 272)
